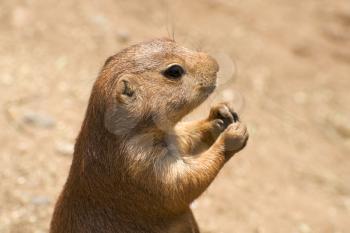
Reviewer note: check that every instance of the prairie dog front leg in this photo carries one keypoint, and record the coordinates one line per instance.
(197, 136)
(184, 177)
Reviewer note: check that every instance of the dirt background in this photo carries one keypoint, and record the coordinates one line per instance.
(291, 64)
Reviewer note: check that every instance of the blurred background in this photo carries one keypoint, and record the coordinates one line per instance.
(286, 65)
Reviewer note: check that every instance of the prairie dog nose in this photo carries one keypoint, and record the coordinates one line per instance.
(213, 63)
(208, 65)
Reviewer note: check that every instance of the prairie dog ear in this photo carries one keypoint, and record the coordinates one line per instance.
(126, 87)
(125, 91)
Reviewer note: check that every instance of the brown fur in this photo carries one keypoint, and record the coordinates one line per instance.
(135, 170)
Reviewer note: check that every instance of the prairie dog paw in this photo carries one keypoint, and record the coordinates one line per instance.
(223, 114)
(235, 137)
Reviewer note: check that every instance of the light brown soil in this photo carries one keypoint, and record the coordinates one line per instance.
(292, 61)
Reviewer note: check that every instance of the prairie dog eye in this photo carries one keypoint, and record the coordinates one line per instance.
(174, 71)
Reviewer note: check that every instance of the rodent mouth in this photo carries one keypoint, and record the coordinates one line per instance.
(208, 89)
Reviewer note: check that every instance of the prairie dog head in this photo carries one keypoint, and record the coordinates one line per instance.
(154, 83)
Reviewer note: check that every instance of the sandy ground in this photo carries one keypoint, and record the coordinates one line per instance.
(291, 64)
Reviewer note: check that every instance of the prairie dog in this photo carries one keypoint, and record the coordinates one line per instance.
(136, 168)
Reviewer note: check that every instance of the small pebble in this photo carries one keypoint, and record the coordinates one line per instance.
(341, 124)
(123, 36)
(38, 119)
(65, 148)
(61, 63)
(304, 228)
(99, 20)
(40, 200)
(194, 205)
